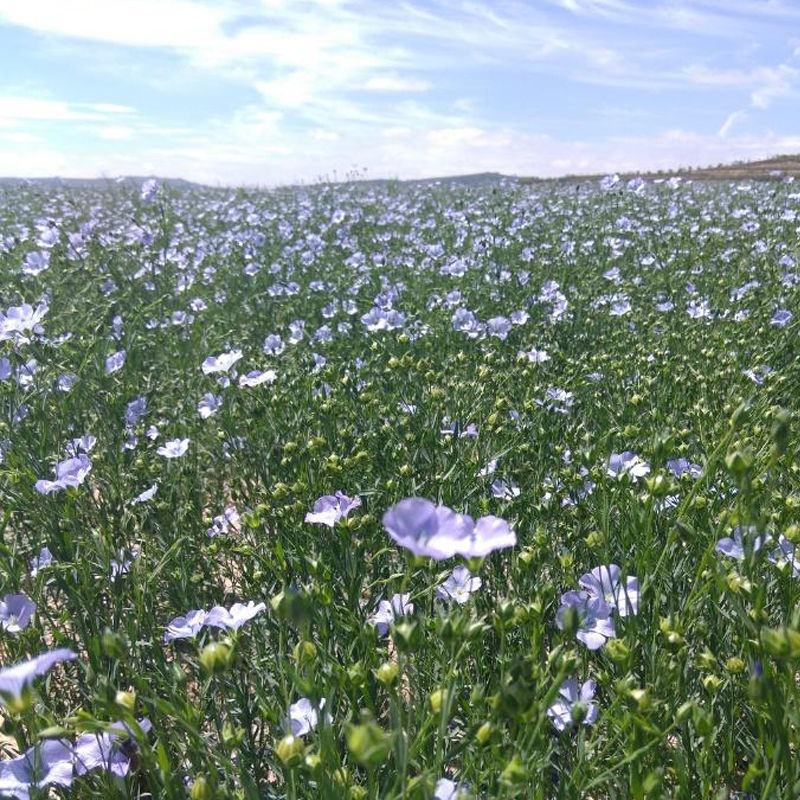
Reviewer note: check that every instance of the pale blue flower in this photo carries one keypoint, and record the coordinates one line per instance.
(330, 509)
(781, 318)
(569, 696)
(627, 463)
(257, 378)
(109, 750)
(449, 790)
(69, 473)
(209, 405)
(18, 320)
(221, 363)
(223, 523)
(304, 716)
(389, 610)
(49, 763)
(148, 191)
(15, 678)
(235, 617)
(595, 626)
(458, 585)
(147, 494)
(606, 582)
(16, 612)
(175, 448)
(273, 345)
(186, 626)
(115, 362)
(745, 539)
(682, 466)
(40, 562)
(439, 532)
(534, 356)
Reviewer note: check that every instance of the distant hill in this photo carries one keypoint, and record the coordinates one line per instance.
(473, 179)
(98, 183)
(765, 169)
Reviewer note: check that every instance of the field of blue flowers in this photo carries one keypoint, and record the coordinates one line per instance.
(400, 491)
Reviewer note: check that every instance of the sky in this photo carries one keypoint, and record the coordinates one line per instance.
(270, 92)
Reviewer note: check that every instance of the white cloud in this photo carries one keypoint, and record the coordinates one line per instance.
(336, 83)
(730, 121)
(143, 23)
(773, 83)
(15, 109)
(115, 133)
(396, 83)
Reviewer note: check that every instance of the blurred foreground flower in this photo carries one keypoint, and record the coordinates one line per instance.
(439, 532)
(14, 679)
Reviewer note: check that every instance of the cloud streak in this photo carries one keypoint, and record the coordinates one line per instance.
(418, 87)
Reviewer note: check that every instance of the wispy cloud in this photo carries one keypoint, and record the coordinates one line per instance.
(730, 121)
(16, 110)
(301, 87)
(396, 83)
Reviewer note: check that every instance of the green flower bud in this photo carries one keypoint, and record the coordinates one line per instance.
(739, 461)
(740, 415)
(514, 773)
(304, 653)
(578, 712)
(780, 431)
(216, 657)
(368, 743)
(618, 651)
(356, 674)
(114, 645)
(781, 642)
(703, 721)
(407, 636)
(684, 711)
(126, 700)
(387, 673)
(484, 733)
(341, 777)
(436, 700)
(735, 665)
(290, 750)
(571, 622)
(201, 789)
(313, 761)
(232, 736)
(291, 604)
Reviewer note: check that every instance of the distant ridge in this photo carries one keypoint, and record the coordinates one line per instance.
(765, 169)
(99, 183)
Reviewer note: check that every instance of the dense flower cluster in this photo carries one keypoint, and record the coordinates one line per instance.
(454, 490)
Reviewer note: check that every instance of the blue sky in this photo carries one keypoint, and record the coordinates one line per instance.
(276, 91)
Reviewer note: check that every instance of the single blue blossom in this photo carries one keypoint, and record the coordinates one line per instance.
(573, 701)
(594, 624)
(439, 532)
